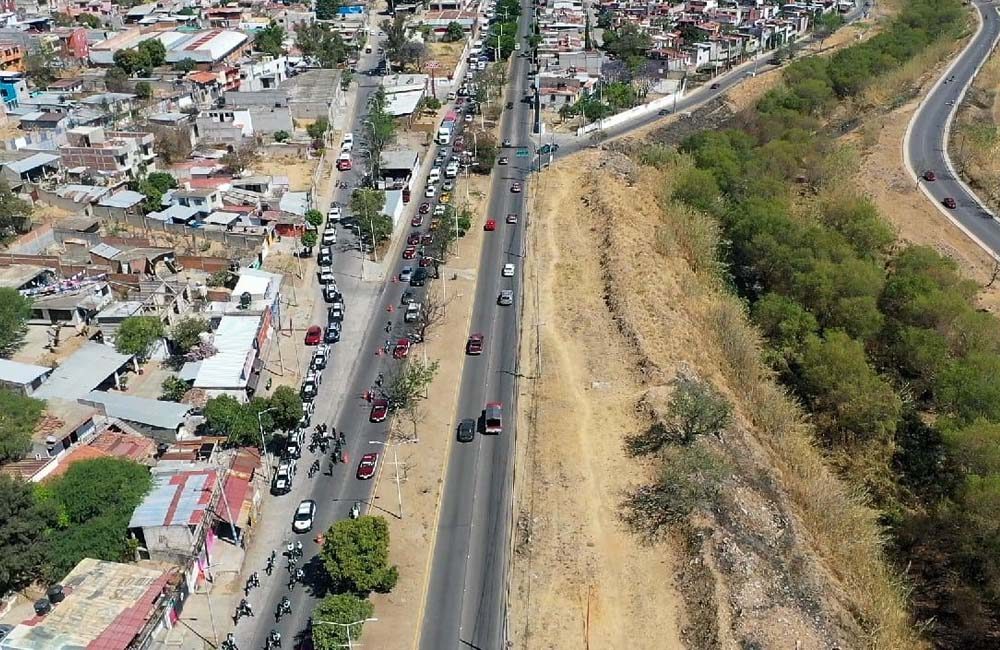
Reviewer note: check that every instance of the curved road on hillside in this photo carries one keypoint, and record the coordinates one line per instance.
(925, 146)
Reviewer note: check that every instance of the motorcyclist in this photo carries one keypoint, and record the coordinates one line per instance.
(298, 548)
(275, 638)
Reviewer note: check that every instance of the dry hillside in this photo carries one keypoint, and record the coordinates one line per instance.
(618, 303)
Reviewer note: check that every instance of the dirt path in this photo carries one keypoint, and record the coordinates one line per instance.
(580, 580)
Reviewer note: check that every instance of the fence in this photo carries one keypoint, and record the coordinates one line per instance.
(236, 240)
(632, 113)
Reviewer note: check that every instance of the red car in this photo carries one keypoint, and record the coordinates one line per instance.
(474, 345)
(929, 175)
(511, 218)
(402, 349)
(949, 203)
(366, 468)
(314, 335)
(493, 416)
(424, 208)
(380, 410)
(409, 252)
(413, 239)
(417, 221)
(426, 261)
(491, 225)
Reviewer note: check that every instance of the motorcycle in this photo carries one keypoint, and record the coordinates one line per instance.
(355, 510)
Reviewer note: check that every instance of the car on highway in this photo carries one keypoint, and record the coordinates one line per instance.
(474, 346)
(511, 218)
(424, 208)
(406, 298)
(493, 417)
(413, 239)
(302, 522)
(426, 261)
(366, 468)
(508, 270)
(949, 202)
(405, 274)
(419, 278)
(502, 160)
(326, 276)
(929, 175)
(714, 86)
(334, 213)
(515, 188)
(402, 349)
(430, 192)
(417, 220)
(490, 225)
(313, 335)
(506, 298)
(466, 430)
(380, 410)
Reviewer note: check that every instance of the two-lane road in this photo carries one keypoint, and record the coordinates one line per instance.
(926, 138)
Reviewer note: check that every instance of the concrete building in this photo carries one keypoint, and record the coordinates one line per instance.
(23, 378)
(162, 421)
(265, 74)
(116, 155)
(206, 48)
(91, 367)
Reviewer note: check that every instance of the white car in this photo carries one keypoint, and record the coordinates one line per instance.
(329, 237)
(334, 213)
(302, 522)
(440, 209)
(430, 192)
(348, 137)
(508, 271)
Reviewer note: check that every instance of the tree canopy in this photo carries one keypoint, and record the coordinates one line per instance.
(187, 333)
(138, 334)
(356, 555)
(19, 415)
(14, 212)
(343, 609)
(23, 526)
(269, 40)
(320, 42)
(15, 310)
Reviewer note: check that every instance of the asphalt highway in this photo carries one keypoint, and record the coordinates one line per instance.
(927, 135)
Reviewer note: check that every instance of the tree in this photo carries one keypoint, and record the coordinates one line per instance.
(116, 80)
(339, 608)
(93, 502)
(314, 218)
(226, 416)
(132, 61)
(432, 313)
(162, 181)
(223, 278)
(487, 150)
(23, 525)
(367, 202)
(327, 9)
(409, 382)
(138, 334)
(15, 310)
(288, 408)
(153, 194)
(453, 32)
(380, 227)
(414, 54)
(696, 409)
(321, 43)
(395, 36)
(186, 64)
(356, 555)
(143, 90)
(89, 20)
(20, 416)
(269, 40)
(38, 65)
(281, 136)
(240, 159)
(308, 238)
(187, 333)
(14, 212)
(966, 389)
(173, 389)
(318, 129)
(173, 144)
(154, 51)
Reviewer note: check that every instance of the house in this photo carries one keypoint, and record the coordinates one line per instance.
(107, 605)
(235, 368)
(89, 368)
(32, 169)
(117, 155)
(43, 120)
(397, 167)
(26, 278)
(70, 304)
(13, 88)
(22, 378)
(264, 74)
(162, 421)
(204, 201)
(120, 205)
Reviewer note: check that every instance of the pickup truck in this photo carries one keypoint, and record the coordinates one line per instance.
(493, 417)
(412, 312)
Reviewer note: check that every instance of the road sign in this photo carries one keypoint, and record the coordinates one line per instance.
(522, 153)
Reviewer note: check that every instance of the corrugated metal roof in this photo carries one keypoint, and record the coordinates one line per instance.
(229, 368)
(151, 412)
(178, 498)
(124, 199)
(107, 251)
(31, 162)
(16, 372)
(82, 371)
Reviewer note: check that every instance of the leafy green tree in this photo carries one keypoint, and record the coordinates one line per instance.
(38, 65)
(95, 500)
(327, 9)
(162, 181)
(698, 188)
(851, 402)
(966, 389)
(322, 43)
(314, 218)
(269, 40)
(138, 334)
(241, 158)
(504, 35)
(89, 20)
(409, 382)
(453, 32)
(356, 555)
(15, 310)
(22, 534)
(185, 65)
(627, 41)
(143, 90)
(288, 408)
(281, 136)
(154, 51)
(696, 409)
(367, 202)
(309, 238)
(116, 80)
(395, 36)
(187, 333)
(783, 321)
(14, 212)
(223, 278)
(318, 129)
(20, 417)
(225, 415)
(133, 61)
(343, 609)
(173, 389)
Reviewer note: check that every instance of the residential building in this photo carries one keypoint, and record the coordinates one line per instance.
(22, 378)
(110, 154)
(160, 420)
(13, 88)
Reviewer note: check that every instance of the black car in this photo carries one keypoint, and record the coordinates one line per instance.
(407, 297)
(510, 105)
(418, 278)
(332, 333)
(331, 294)
(466, 430)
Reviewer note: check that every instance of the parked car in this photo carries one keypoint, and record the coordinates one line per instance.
(366, 468)
(418, 278)
(424, 208)
(402, 349)
(302, 522)
(335, 313)
(332, 332)
(335, 213)
(380, 410)
(314, 335)
(325, 257)
(282, 483)
(474, 346)
(326, 276)
(417, 220)
(413, 239)
(409, 252)
(405, 274)
(331, 293)
(319, 359)
(466, 430)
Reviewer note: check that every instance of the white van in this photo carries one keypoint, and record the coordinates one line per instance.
(451, 171)
(348, 139)
(435, 175)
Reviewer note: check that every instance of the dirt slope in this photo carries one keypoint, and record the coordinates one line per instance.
(784, 559)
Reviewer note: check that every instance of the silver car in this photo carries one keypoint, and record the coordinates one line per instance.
(506, 298)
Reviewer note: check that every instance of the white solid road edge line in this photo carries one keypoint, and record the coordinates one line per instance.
(947, 133)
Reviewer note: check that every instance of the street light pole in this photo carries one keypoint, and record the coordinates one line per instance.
(347, 626)
(395, 462)
(263, 445)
